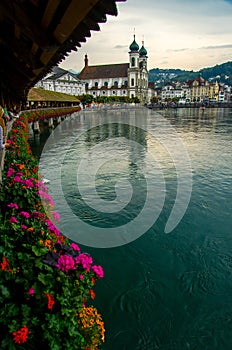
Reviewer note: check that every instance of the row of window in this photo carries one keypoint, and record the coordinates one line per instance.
(96, 84)
(106, 84)
(113, 92)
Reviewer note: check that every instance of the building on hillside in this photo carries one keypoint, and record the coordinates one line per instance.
(214, 91)
(199, 89)
(61, 80)
(171, 91)
(121, 79)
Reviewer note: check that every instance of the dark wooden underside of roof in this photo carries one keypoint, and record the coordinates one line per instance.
(36, 35)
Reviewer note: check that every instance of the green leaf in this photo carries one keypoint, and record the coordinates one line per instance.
(42, 278)
(5, 291)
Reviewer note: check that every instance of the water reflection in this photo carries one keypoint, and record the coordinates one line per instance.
(167, 292)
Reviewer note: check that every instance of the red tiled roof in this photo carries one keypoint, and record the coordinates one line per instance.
(104, 71)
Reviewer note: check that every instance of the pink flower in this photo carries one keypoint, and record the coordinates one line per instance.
(24, 227)
(46, 196)
(56, 216)
(84, 260)
(13, 219)
(17, 179)
(81, 277)
(75, 246)
(25, 214)
(28, 183)
(98, 270)
(66, 263)
(13, 205)
(52, 227)
(10, 171)
(31, 291)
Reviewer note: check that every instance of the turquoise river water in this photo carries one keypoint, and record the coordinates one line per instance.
(167, 291)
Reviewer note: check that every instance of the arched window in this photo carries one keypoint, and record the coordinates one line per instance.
(96, 84)
(125, 82)
(116, 83)
(132, 82)
(106, 83)
(132, 61)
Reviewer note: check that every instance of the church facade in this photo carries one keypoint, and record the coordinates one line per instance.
(123, 79)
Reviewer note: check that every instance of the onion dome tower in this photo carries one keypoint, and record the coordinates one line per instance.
(142, 51)
(134, 47)
(134, 54)
(133, 71)
(143, 57)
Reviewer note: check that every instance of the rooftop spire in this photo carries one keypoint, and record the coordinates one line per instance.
(134, 46)
(86, 60)
(143, 51)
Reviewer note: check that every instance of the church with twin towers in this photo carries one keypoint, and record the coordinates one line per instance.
(120, 79)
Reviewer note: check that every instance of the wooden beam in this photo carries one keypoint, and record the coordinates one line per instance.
(49, 12)
(74, 14)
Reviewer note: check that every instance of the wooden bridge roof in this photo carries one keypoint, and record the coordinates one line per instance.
(36, 35)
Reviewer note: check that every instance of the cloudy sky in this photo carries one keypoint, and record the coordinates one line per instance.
(186, 34)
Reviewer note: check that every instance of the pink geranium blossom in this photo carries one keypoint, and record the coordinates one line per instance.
(13, 219)
(13, 205)
(56, 216)
(17, 179)
(52, 227)
(10, 171)
(98, 270)
(28, 183)
(84, 260)
(47, 197)
(25, 214)
(66, 263)
(75, 246)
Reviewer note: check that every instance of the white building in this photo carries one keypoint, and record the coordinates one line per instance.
(170, 91)
(122, 79)
(64, 81)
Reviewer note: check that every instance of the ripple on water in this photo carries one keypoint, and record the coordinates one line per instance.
(145, 304)
(206, 281)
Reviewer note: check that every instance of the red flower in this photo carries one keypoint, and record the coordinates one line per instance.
(21, 335)
(51, 300)
(92, 293)
(5, 266)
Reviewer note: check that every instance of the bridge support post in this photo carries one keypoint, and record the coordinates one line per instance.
(50, 123)
(35, 127)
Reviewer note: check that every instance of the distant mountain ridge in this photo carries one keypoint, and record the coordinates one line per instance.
(222, 73)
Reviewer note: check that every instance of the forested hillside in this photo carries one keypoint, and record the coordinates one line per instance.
(221, 73)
